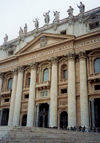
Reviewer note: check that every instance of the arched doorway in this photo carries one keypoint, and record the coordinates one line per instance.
(24, 120)
(63, 120)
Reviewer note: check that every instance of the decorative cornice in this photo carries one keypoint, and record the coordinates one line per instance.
(20, 69)
(33, 65)
(82, 55)
(71, 56)
(54, 60)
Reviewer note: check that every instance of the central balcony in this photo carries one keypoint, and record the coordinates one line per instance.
(43, 85)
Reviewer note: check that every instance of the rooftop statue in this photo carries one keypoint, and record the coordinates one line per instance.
(70, 11)
(6, 38)
(56, 14)
(36, 21)
(81, 7)
(20, 31)
(46, 17)
(25, 28)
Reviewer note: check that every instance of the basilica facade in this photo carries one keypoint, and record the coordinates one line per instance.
(50, 77)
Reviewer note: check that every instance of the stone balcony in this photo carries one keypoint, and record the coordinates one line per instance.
(94, 77)
(43, 85)
(6, 93)
(63, 81)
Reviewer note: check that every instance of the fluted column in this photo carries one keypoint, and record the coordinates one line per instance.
(18, 96)
(13, 94)
(83, 91)
(31, 102)
(54, 89)
(71, 91)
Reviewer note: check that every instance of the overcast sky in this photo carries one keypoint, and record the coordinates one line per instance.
(15, 13)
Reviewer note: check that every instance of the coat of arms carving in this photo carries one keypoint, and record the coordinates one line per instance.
(43, 41)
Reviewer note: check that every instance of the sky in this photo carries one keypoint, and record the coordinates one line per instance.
(15, 13)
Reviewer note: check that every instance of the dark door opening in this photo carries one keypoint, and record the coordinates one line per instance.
(5, 116)
(24, 120)
(97, 112)
(43, 115)
(63, 120)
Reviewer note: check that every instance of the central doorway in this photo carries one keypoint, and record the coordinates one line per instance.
(63, 120)
(43, 115)
(24, 120)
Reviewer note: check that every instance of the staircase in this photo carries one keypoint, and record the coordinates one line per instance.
(43, 135)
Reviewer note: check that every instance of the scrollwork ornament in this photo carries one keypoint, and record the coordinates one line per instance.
(15, 71)
(71, 56)
(33, 65)
(54, 60)
(20, 69)
(1, 75)
(82, 55)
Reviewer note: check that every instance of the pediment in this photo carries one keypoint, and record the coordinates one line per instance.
(44, 40)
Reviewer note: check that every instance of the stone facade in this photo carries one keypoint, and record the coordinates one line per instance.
(52, 76)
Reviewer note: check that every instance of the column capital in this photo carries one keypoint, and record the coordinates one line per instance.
(71, 55)
(15, 71)
(92, 99)
(20, 69)
(33, 65)
(37, 104)
(54, 60)
(82, 55)
(1, 75)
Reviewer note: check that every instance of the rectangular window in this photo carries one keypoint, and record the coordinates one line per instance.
(63, 32)
(6, 100)
(44, 94)
(63, 91)
(10, 53)
(64, 73)
(97, 87)
(26, 96)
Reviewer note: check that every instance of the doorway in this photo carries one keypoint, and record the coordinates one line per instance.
(63, 120)
(97, 112)
(24, 120)
(5, 116)
(43, 115)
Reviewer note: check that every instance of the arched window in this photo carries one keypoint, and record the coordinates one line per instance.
(10, 83)
(97, 65)
(46, 75)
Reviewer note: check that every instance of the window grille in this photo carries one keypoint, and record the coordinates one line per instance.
(10, 83)
(97, 65)
(46, 75)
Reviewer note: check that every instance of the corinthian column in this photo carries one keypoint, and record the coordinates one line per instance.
(12, 102)
(71, 91)
(83, 91)
(18, 96)
(31, 102)
(54, 89)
